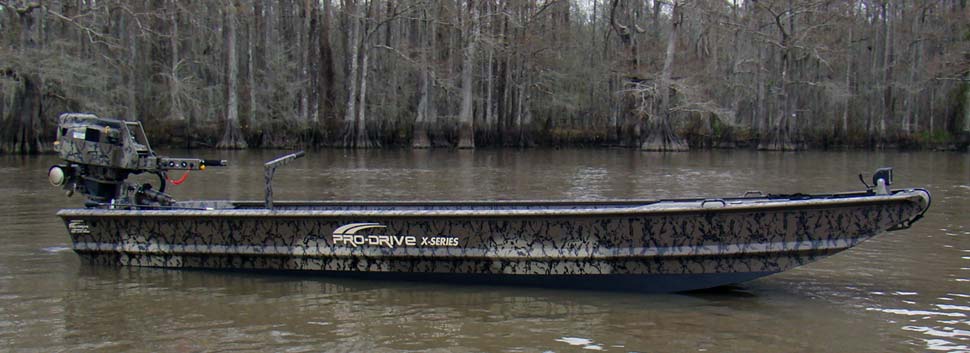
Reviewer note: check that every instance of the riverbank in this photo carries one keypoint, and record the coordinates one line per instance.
(935, 147)
(198, 135)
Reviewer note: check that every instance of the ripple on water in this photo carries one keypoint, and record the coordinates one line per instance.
(579, 341)
(55, 249)
(908, 312)
(938, 332)
(946, 346)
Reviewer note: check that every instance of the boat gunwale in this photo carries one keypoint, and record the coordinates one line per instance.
(637, 207)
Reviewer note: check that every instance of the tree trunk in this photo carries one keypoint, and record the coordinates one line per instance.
(466, 118)
(762, 118)
(132, 70)
(491, 125)
(966, 103)
(781, 131)
(419, 138)
(303, 60)
(270, 55)
(520, 115)
(419, 135)
(613, 123)
(22, 133)
(508, 92)
(781, 139)
(312, 48)
(232, 139)
(327, 83)
(353, 43)
(361, 139)
(175, 110)
(910, 119)
(251, 35)
(525, 113)
(629, 118)
(848, 89)
(888, 72)
(660, 134)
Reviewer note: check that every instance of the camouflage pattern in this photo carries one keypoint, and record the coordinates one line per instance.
(100, 154)
(90, 140)
(98, 147)
(721, 241)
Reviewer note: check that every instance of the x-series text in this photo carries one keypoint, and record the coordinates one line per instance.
(392, 241)
(347, 235)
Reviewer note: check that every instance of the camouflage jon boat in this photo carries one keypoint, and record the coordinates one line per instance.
(644, 245)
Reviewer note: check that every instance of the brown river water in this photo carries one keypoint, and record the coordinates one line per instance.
(905, 291)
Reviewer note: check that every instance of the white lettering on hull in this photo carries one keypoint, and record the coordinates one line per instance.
(346, 235)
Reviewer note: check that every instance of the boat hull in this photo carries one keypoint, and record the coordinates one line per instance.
(654, 246)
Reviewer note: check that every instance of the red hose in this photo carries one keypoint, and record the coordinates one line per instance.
(179, 180)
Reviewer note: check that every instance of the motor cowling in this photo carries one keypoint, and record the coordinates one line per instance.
(100, 154)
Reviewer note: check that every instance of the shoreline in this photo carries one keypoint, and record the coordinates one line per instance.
(838, 148)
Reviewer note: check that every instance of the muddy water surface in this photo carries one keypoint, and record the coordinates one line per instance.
(900, 292)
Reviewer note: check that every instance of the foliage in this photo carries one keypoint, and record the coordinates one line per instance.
(770, 73)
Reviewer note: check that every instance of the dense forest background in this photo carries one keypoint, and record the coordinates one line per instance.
(650, 74)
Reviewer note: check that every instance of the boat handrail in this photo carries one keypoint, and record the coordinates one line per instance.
(270, 171)
(706, 201)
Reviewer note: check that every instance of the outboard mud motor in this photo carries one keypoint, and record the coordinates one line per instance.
(100, 154)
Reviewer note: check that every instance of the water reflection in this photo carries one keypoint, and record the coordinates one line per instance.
(189, 309)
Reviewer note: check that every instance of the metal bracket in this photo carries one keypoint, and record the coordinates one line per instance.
(270, 171)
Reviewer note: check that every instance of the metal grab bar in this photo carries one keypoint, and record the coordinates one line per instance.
(723, 203)
(754, 193)
(270, 171)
